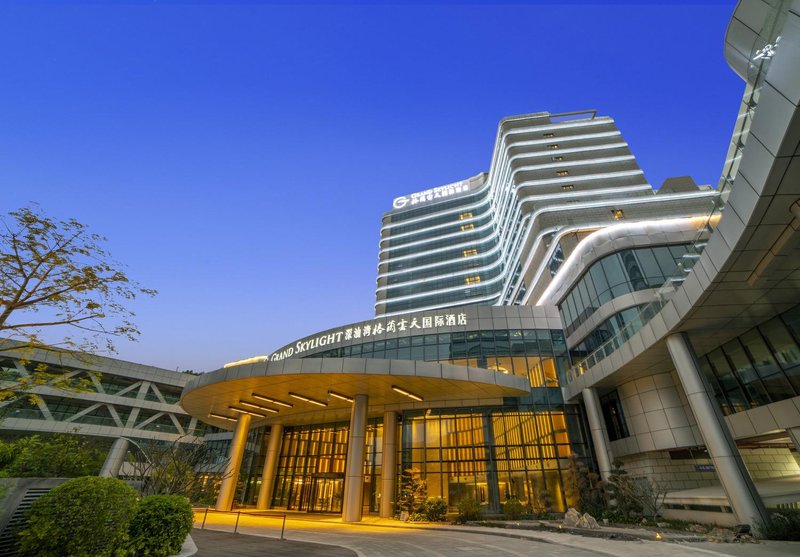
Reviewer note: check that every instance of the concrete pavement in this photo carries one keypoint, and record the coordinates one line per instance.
(212, 543)
(390, 538)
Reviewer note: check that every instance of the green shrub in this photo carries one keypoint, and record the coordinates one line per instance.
(160, 525)
(469, 509)
(513, 509)
(51, 456)
(83, 516)
(784, 525)
(435, 509)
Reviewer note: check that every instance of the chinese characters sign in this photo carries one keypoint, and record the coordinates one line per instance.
(431, 194)
(377, 328)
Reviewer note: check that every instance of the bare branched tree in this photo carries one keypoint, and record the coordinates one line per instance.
(183, 467)
(649, 493)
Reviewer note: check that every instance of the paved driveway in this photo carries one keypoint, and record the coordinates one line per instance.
(388, 538)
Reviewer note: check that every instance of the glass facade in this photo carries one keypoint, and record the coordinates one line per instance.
(603, 332)
(539, 355)
(492, 455)
(519, 449)
(312, 466)
(126, 394)
(617, 274)
(758, 367)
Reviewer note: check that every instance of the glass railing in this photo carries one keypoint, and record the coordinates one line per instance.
(761, 55)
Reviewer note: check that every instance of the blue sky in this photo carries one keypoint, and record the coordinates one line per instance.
(239, 156)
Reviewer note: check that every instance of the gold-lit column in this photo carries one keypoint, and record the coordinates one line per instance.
(228, 488)
(270, 467)
(389, 464)
(354, 473)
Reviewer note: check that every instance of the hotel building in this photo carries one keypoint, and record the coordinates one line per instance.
(556, 305)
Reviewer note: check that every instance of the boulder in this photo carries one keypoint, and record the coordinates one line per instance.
(588, 521)
(572, 518)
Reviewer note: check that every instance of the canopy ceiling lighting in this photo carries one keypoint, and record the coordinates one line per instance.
(245, 411)
(309, 400)
(221, 416)
(340, 396)
(257, 406)
(272, 400)
(402, 391)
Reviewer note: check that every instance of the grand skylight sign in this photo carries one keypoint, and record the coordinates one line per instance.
(431, 194)
(377, 328)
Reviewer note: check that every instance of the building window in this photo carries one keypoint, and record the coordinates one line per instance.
(613, 416)
(756, 368)
(568, 187)
(615, 275)
(549, 134)
(558, 158)
(467, 227)
(470, 252)
(553, 146)
(463, 216)
(563, 173)
(472, 280)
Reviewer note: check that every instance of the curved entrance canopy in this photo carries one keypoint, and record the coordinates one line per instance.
(300, 391)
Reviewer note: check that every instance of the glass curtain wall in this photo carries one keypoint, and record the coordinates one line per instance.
(759, 367)
(490, 455)
(311, 469)
(616, 274)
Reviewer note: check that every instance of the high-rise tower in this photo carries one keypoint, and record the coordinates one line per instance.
(498, 237)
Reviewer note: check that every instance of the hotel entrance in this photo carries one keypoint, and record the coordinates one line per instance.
(321, 493)
(326, 494)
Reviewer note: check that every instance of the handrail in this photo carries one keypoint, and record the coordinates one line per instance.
(239, 514)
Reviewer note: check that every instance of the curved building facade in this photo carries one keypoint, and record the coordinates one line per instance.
(469, 398)
(557, 307)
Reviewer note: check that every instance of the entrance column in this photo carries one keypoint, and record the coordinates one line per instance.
(492, 484)
(597, 427)
(270, 467)
(354, 471)
(115, 458)
(731, 471)
(231, 475)
(389, 464)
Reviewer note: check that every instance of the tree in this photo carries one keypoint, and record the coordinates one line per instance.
(192, 469)
(413, 491)
(584, 488)
(622, 491)
(56, 273)
(55, 456)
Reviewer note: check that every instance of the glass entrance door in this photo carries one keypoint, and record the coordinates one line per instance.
(326, 495)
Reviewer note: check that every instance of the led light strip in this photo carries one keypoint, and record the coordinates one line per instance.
(272, 400)
(257, 406)
(221, 416)
(245, 411)
(340, 396)
(309, 400)
(402, 391)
